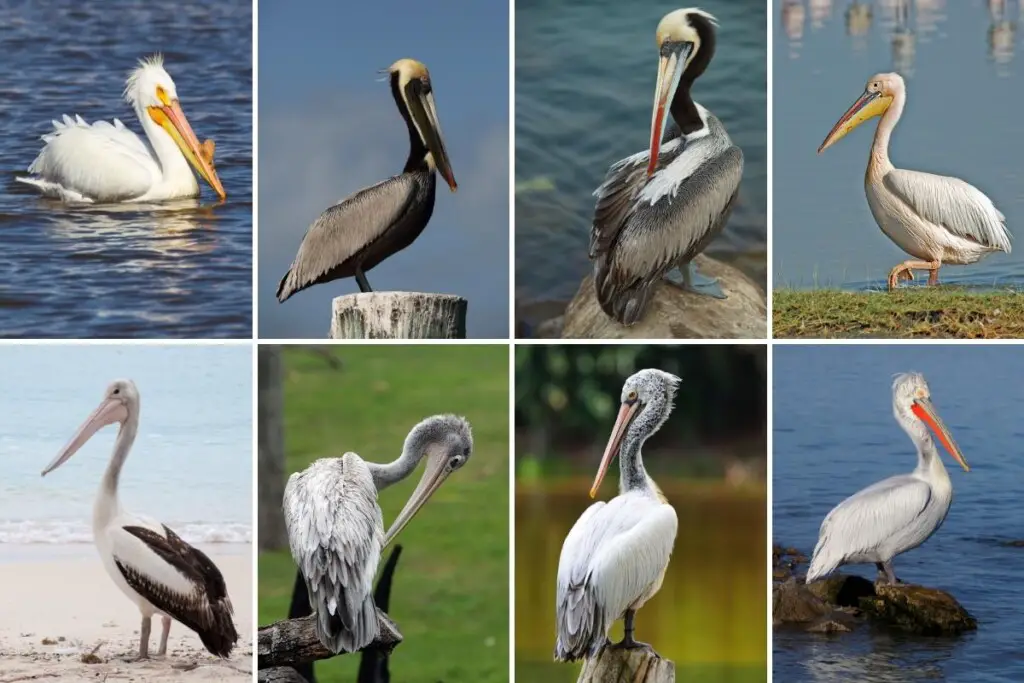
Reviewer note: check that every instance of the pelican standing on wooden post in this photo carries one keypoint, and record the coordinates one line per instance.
(936, 219)
(615, 556)
(336, 528)
(157, 570)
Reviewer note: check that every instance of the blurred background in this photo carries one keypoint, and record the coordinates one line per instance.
(450, 590)
(710, 461)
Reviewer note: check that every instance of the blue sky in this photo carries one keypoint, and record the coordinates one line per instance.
(328, 127)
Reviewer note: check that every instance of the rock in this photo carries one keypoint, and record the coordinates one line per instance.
(836, 622)
(921, 610)
(675, 314)
(792, 603)
(841, 590)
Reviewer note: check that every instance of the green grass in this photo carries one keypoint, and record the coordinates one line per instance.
(914, 312)
(450, 591)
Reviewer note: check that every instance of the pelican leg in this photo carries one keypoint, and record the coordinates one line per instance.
(627, 642)
(905, 271)
(163, 636)
(693, 281)
(364, 284)
(144, 638)
(885, 572)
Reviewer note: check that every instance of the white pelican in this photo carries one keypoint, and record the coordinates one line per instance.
(108, 163)
(615, 556)
(659, 208)
(157, 570)
(936, 219)
(336, 529)
(899, 513)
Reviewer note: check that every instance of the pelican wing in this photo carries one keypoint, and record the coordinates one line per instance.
(959, 207)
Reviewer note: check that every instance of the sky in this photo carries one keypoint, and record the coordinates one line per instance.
(328, 127)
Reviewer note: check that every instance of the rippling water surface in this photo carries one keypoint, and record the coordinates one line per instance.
(178, 269)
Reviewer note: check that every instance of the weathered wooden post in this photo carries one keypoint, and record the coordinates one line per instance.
(640, 665)
(398, 315)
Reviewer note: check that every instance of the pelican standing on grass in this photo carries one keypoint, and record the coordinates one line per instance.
(899, 513)
(615, 556)
(108, 163)
(336, 529)
(357, 233)
(157, 570)
(936, 219)
(658, 209)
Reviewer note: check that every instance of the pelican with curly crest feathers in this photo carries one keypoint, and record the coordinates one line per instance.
(336, 529)
(659, 208)
(936, 219)
(108, 163)
(360, 231)
(615, 556)
(899, 513)
(162, 574)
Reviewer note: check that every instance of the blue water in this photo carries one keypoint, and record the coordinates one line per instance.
(180, 269)
(834, 434)
(962, 63)
(190, 466)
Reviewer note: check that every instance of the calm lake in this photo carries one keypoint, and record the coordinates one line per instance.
(834, 434)
(824, 53)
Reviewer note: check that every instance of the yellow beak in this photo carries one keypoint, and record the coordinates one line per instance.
(172, 119)
(867, 106)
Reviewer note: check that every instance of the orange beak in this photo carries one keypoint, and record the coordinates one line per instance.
(925, 411)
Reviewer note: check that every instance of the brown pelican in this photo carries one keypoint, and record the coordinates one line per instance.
(362, 230)
(659, 208)
(336, 529)
(157, 570)
(899, 513)
(936, 219)
(615, 556)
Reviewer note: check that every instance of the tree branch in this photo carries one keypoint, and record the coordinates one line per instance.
(292, 641)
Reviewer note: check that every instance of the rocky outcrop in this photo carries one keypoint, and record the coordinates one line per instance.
(918, 609)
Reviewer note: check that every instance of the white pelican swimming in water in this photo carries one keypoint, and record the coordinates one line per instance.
(108, 163)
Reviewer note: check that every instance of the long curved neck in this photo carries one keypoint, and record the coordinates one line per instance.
(879, 163)
(415, 447)
(929, 463)
(684, 109)
(107, 504)
(173, 166)
(417, 160)
(632, 475)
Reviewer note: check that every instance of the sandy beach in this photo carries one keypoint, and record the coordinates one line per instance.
(58, 612)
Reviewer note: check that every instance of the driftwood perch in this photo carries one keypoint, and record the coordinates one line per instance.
(398, 315)
(641, 665)
(289, 642)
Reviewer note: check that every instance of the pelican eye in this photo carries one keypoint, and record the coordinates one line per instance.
(631, 397)
(116, 392)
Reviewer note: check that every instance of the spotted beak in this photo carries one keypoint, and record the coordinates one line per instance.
(622, 422)
(437, 470)
(110, 411)
(868, 106)
(671, 65)
(420, 100)
(171, 118)
(925, 411)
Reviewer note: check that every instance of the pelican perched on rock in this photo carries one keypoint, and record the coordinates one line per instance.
(899, 513)
(615, 556)
(108, 163)
(336, 529)
(659, 208)
(936, 219)
(157, 570)
(357, 233)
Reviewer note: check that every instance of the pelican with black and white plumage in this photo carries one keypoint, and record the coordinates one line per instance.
(336, 528)
(359, 232)
(659, 208)
(899, 513)
(614, 558)
(162, 574)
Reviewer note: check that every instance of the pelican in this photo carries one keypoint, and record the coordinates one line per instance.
(360, 231)
(659, 208)
(108, 163)
(936, 219)
(157, 570)
(336, 529)
(899, 513)
(615, 556)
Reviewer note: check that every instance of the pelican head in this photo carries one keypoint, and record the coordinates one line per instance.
(150, 90)
(119, 401)
(411, 81)
(912, 403)
(874, 101)
(680, 36)
(446, 442)
(648, 393)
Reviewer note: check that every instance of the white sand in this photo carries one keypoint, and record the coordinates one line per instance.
(52, 613)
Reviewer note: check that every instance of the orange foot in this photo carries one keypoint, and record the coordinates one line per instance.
(905, 271)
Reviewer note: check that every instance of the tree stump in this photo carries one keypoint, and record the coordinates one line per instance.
(642, 665)
(398, 315)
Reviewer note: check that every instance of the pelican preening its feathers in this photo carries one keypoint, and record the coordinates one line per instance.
(936, 219)
(108, 163)
(336, 529)
(659, 208)
(901, 512)
(157, 570)
(359, 232)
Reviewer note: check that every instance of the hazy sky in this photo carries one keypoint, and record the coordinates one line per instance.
(328, 127)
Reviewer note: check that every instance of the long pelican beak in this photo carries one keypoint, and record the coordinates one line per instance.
(110, 411)
(671, 65)
(433, 476)
(925, 411)
(868, 106)
(172, 119)
(626, 413)
(424, 114)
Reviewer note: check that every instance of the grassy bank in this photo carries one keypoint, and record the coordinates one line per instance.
(918, 312)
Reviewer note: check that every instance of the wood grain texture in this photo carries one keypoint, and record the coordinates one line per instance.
(641, 665)
(292, 641)
(398, 315)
